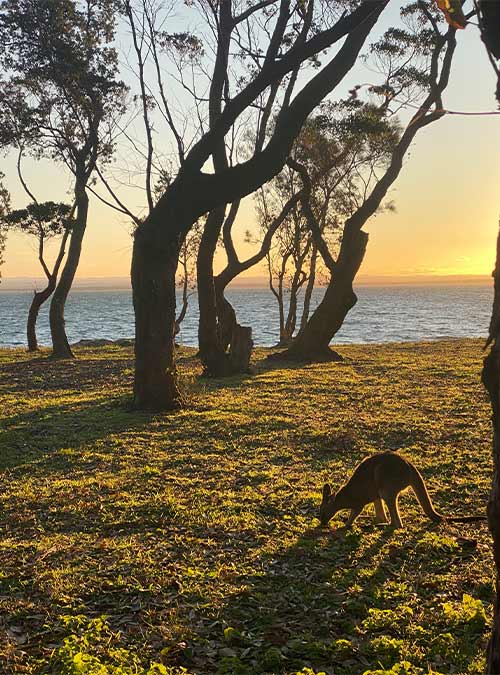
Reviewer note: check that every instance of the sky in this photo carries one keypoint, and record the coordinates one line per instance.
(447, 196)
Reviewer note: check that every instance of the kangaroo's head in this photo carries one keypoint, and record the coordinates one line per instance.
(328, 506)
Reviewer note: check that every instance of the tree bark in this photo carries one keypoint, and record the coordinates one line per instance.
(241, 349)
(60, 345)
(153, 279)
(491, 380)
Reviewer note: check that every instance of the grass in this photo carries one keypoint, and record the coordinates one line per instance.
(187, 543)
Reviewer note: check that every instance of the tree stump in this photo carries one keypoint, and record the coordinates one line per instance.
(240, 349)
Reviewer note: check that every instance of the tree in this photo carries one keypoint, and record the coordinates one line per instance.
(293, 34)
(491, 381)
(340, 149)
(62, 99)
(288, 256)
(42, 221)
(312, 344)
(287, 270)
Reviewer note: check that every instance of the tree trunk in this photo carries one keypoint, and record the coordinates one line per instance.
(39, 298)
(226, 316)
(278, 294)
(309, 289)
(288, 326)
(291, 319)
(213, 357)
(185, 302)
(60, 344)
(312, 343)
(153, 282)
(491, 380)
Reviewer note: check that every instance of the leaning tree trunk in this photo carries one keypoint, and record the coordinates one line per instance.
(184, 307)
(38, 299)
(312, 343)
(232, 336)
(291, 319)
(60, 344)
(491, 380)
(42, 296)
(278, 294)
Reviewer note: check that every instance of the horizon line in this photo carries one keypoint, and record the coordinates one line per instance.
(26, 283)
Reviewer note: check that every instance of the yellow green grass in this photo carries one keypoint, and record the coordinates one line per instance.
(187, 542)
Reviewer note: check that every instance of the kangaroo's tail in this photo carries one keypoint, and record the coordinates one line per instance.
(418, 485)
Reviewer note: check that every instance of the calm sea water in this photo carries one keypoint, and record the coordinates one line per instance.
(383, 314)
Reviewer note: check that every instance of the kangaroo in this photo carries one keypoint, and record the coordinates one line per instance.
(379, 478)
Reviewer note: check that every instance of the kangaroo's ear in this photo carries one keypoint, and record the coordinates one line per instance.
(327, 491)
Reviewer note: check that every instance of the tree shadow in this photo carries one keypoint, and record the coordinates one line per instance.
(299, 601)
(42, 374)
(68, 425)
(309, 605)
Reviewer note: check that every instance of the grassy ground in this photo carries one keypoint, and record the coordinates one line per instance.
(132, 543)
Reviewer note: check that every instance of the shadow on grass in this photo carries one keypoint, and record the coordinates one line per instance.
(298, 603)
(41, 374)
(310, 605)
(69, 425)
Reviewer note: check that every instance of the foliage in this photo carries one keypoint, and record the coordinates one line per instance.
(60, 95)
(195, 535)
(80, 653)
(41, 220)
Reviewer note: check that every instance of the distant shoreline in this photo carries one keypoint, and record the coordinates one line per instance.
(25, 284)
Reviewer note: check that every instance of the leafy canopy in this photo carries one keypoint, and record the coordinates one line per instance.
(60, 95)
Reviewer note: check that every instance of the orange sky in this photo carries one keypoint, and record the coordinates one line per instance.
(447, 197)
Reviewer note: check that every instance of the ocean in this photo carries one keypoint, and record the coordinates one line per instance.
(382, 314)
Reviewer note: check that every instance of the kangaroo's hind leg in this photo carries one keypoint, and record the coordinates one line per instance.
(391, 499)
(380, 516)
